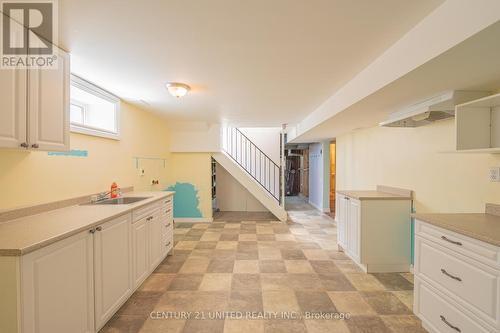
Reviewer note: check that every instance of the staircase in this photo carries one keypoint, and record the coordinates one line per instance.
(253, 169)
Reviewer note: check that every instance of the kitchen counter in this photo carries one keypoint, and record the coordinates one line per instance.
(483, 227)
(27, 234)
(373, 195)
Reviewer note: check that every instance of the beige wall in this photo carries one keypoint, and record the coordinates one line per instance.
(28, 178)
(196, 169)
(418, 159)
(232, 196)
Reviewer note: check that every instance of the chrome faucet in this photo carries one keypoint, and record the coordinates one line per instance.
(104, 196)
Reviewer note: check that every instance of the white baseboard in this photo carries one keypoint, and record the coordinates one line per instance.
(193, 219)
(321, 209)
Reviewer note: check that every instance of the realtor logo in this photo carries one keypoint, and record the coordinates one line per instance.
(28, 34)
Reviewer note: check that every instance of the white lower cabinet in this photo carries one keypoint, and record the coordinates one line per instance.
(156, 244)
(112, 267)
(76, 284)
(140, 250)
(457, 285)
(362, 224)
(57, 287)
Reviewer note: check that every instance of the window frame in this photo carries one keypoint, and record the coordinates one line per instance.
(91, 88)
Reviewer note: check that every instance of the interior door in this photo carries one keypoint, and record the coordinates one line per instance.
(13, 88)
(48, 105)
(113, 267)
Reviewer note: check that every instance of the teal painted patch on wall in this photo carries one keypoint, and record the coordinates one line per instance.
(75, 153)
(186, 200)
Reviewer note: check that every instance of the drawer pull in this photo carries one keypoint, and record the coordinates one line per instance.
(168, 225)
(450, 276)
(149, 218)
(168, 244)
(443, 319)
(167, 211)
(451, 241)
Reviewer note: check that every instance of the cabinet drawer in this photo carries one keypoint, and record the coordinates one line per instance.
(471, 283)
(167, 202)
(442, 315)
(145, 211)
(487, 253)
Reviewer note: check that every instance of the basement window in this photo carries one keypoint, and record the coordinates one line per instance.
(93, 111)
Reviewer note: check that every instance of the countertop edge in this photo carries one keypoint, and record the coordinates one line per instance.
(389, 196)
(451, 227)
(47, 242)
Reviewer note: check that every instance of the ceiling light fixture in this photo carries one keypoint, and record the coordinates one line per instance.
(177, 89)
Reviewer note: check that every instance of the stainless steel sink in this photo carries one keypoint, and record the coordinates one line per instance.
(120, 201)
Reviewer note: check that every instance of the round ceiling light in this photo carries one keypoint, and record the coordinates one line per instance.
(177, 89)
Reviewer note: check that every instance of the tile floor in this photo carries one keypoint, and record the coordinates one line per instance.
(261, 267)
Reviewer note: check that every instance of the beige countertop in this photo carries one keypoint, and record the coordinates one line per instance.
(27, 234)
(483, 227)
(373, 195)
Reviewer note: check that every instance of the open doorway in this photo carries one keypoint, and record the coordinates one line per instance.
(333, 160)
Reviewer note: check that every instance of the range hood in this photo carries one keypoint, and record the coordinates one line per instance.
(433, 109)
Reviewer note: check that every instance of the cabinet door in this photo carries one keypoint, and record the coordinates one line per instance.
(156, 244)
(341, 217)
(48, 105)
(354, 228)
(13, 88)
(140, 251)
(113, 267)
(57, 287)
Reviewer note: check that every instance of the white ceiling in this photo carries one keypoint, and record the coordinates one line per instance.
(254, 63)
(472, 65)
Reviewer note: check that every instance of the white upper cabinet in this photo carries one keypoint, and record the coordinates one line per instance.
(478, 125)
(48, 105)
(34, 104)
(13, 90)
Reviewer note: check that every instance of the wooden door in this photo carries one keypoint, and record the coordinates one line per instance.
(332, 176)
(113, 267)
(58, 287)
(305, 173)
(48, 105)
(13, 89)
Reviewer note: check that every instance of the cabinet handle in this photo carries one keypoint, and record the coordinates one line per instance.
(149, 218)
(168, 244)
(451, 241)
(35, 145)
(98, 228)
(24, 145)
(92, 231)
(167, 211)
(443, 319)
(168, 225)
(450, 276)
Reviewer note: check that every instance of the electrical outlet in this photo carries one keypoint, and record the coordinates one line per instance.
(495, 174)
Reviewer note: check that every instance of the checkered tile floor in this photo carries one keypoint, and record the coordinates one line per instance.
(264, 267)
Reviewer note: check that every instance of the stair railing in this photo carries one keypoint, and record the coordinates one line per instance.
(253, 160)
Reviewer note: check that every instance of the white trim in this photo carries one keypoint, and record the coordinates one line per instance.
(101, 93)
(193, 219)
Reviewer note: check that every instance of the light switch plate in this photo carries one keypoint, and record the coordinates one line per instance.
(495, 174)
